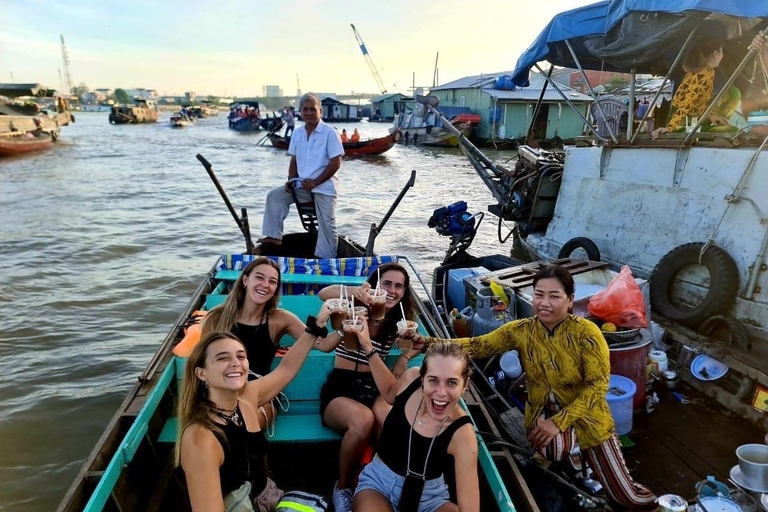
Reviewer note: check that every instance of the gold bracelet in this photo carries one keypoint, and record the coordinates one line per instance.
(406, 357)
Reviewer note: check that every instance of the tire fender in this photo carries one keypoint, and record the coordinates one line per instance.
(580, 242)
(736, 332)
(723, 283)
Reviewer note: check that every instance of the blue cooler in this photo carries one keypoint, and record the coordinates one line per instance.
(456, 293)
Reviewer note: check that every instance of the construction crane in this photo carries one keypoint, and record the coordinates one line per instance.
(298, 87)
(67, 75)
(369, 60)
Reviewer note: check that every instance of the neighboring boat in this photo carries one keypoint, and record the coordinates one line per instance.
(245, 116)
(28, 127)
(144, 111)
(101, 107)
(376, 146)
(12, 145)
(131, 467)
(419, 126)
(179, 121)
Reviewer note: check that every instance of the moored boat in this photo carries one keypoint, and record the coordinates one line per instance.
(11, 145)
(179, 121)
(375, 146)
(144, 111)
(419, 126)
(131, 468)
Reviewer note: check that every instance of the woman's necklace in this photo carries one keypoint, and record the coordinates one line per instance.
(233, 416)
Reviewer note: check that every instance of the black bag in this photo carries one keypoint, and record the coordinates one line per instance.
(411, 496)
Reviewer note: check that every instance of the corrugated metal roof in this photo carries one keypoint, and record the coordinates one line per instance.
(486, 84)
(385, 96)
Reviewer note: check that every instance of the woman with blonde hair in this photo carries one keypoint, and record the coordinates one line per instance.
(221, 446)
(250, 312)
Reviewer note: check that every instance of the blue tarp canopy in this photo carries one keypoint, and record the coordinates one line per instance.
(550, 45)
(619, 9)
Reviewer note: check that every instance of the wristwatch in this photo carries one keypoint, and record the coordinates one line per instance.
(312, 328)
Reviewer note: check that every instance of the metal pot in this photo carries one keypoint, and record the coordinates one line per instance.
(671, 379)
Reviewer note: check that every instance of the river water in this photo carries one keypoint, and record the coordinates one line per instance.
(105, 237)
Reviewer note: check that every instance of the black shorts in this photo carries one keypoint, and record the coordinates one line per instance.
(359, 386)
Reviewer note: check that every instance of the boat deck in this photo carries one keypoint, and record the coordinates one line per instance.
(679, 444)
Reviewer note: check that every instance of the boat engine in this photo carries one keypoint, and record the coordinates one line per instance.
(531, 189)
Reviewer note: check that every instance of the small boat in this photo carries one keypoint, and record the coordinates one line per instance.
(179, 121)
(364, 147)
(11, 145)
(245, 116)
(419, 126)
(131, 467)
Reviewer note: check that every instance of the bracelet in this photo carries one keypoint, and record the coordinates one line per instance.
(370, 354)
(406, 357)
(313, 329)
(340, 333)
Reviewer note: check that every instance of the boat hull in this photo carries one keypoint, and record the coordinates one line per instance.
(133, 115)
(12, 146)
(245, 125)
(367, 147)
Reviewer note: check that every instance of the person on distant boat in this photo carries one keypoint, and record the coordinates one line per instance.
(221, 447)
(344, 137)
(250, 312)
(349, 399)
(316, 152)
(424, 433)
(697, 90)
(290, 122)
(355, 136)
(567, 362)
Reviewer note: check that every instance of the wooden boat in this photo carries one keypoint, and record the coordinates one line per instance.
(143, 112)
(131, 467)
(16, 119)
(178, 121)
(11, 145)
(249, 123)
(364, 147)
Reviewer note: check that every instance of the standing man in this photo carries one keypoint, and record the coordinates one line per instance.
(316, 153)
(289, 121)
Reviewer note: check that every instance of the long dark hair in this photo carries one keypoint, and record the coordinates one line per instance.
(556, 272)
(408, 301)
(696, 57)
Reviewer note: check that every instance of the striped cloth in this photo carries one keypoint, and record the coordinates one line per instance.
(362, 266)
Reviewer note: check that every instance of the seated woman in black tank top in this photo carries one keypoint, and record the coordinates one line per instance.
(251, 313)
(349, 399)
(424, 430)
(221, 446)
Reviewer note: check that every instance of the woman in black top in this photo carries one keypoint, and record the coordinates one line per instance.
(251, 313)
(221, 446)
(424, 429)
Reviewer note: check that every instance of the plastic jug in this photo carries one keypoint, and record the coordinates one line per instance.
(491, 313)
(461, 322)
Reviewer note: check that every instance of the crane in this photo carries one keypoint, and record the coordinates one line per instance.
(369, 60)
(67, 75)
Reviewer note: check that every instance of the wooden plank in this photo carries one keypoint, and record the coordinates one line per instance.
(522, 275)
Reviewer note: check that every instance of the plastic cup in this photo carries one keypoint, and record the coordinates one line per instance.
(406, 331)
(378, 305)
(351, 329)
(359, 311)
(339, 309)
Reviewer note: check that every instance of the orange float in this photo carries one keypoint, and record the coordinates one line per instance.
(192, 330)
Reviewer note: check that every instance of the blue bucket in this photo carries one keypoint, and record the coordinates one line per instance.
(621, 391)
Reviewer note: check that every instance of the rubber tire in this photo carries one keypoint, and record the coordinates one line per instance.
(593, 253)
(723, 283)
(737, 331)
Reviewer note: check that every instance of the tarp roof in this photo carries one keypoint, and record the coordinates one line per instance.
(619, 9)
(486, 83)
(576, 23)
(18, 90)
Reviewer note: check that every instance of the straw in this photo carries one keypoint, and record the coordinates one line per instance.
(354, 318)
(341, 293)
(378, 279)
(402, 311)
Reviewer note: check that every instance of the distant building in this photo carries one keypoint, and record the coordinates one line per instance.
(144, 94)
(91, 97)
(273, 91)
(507, 111)
(108, 93)
(387, 106)
(190, 96)
(334, 110)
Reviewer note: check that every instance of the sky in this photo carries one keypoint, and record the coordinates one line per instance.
(234, 48)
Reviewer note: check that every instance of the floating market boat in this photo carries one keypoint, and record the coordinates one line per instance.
(12, 145)
(144, 111)
(131, 467)
(179, 121)
(420, 126)
(376, 146)
(27, 128)
(250, 122)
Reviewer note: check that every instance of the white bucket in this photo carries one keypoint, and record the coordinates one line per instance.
(658, 361)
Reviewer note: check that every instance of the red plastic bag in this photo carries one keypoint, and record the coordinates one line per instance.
(621, 303)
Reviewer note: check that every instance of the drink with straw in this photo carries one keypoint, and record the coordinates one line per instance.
(378, 303)
(357, 311)
(339, 309)
(406, 331)
(352, 327)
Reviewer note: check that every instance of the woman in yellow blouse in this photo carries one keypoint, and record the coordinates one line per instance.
(568, 369)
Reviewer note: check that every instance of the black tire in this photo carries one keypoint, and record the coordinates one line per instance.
(729, 330)
(593, 253)
(723, 283)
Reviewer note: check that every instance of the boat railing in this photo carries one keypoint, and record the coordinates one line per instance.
(433, 317)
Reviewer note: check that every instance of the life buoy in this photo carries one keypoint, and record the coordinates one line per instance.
(729, 330)
(192, 331)
(723, 283)
(580, 242)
